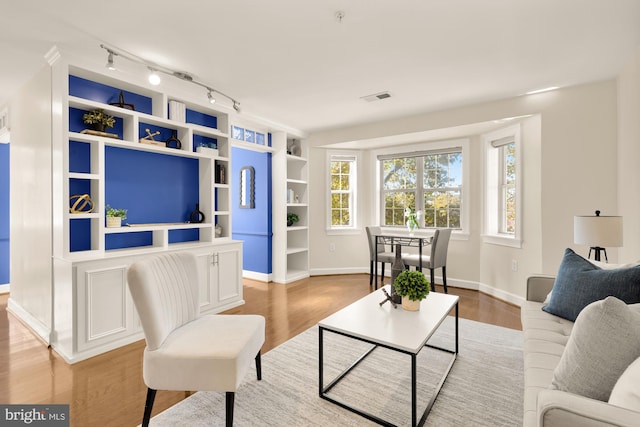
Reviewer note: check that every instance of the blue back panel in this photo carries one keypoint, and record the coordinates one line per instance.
(4, 214)
(86, 89)
(253, 226)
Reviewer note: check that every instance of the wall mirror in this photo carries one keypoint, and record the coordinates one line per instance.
(247, 187)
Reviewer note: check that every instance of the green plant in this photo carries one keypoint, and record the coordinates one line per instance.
(98, 117)
(122, 213)
(292, 218)
(412, 284)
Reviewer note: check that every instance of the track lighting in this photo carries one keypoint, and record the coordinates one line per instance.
(154, 77)
(110, 64)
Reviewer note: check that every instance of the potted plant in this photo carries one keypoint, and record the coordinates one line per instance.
(413, 287)
(115, 216)
(292, 219)
(98, 119)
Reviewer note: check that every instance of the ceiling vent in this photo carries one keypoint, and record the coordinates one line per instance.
(377, 96)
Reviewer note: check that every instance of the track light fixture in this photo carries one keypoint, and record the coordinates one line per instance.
(154, 77)
(110, 65)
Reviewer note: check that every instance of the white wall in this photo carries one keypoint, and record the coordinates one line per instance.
(30, 217)
(570, 159)
(629, 157)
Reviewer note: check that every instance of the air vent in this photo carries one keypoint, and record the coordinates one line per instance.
(377, 96)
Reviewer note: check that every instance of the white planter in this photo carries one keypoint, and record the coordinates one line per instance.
(114, 221)
(409, 305)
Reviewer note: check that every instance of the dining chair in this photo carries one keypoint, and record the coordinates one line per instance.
(437, 259)
(384, 256)
(187, 351)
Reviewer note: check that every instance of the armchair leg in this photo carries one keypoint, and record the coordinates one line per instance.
(229, 408)
(444, 279)
(151, 395)
(381, 277)
(259, 366)
(433, 279)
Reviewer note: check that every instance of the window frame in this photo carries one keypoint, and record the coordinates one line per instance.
(426, 148)
(354, 157)
(494, 144)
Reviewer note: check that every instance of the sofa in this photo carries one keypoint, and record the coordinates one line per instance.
(545, 338)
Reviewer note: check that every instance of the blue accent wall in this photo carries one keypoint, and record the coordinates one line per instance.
(4, 214)
(253, 226)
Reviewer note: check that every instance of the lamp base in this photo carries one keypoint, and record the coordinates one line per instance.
(597, 250)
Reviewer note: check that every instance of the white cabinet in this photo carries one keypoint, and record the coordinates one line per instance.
(220, 268)
(105, 315)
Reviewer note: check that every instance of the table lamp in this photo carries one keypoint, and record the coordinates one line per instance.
(597, 232)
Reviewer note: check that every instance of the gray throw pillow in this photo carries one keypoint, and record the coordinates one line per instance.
(603, 342)
(579, 283)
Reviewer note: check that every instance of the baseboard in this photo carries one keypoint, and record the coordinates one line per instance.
(455, 283)
(5, 288)
(42, 331)
(254, 275)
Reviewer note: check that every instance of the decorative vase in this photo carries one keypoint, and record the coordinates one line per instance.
(412, 226)
(396, 268)
(99, 127)
(114, 221)
(409, 305)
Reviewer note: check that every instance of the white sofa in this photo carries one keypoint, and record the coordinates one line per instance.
(545, 337)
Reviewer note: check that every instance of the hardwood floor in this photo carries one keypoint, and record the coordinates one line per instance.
(107, 390)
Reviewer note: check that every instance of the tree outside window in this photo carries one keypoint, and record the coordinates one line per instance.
(439, 175)
(508, 189)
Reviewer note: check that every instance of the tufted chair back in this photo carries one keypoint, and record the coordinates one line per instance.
(165, 293)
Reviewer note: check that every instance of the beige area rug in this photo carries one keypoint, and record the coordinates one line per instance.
(484, 387)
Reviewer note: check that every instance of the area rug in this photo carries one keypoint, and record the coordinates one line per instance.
(484, 387)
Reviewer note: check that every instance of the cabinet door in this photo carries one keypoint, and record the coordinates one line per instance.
(205, 278)
(228, 268)
(103, 304)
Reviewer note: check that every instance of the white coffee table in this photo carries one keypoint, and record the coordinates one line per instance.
(393, 328)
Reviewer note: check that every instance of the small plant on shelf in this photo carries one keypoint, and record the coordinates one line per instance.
(412, 286)
(115, 216)
(292, 219)
(98, 119)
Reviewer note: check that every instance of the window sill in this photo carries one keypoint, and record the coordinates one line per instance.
(493, 239)
(343, 231)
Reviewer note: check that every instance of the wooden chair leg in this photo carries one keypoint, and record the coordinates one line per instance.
(433, 279)
(229, 408)
(444, 279)
(151, 395)
(259, 366)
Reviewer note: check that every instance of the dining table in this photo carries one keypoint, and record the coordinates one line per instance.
(397, 242)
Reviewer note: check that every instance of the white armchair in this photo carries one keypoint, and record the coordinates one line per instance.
(186, 351)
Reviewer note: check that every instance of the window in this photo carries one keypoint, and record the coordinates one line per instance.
(342, 191)
(429, 182)
(502, 187)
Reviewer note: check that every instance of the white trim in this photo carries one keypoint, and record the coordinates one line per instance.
(492, 161)
(39, 328)
(356, 157)
(5, 288)
(254, 275)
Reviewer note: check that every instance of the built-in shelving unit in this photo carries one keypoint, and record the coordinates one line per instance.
(291, 257)
(177, 196)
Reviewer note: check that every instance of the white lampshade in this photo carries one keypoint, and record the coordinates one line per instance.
(597, 231)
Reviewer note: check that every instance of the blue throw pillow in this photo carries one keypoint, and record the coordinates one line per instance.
(579, 283)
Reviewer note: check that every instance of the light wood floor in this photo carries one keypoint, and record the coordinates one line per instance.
(107, 390)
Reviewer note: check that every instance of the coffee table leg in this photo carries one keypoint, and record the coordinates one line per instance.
(414, 398)
(320, 361)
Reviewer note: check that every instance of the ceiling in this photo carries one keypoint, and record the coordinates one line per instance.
(293, 62)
